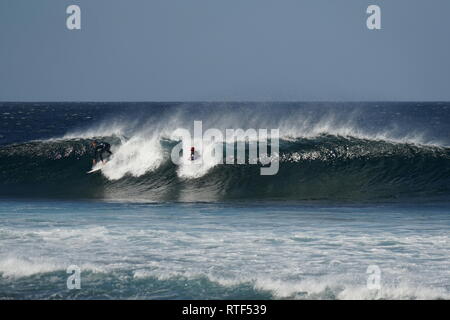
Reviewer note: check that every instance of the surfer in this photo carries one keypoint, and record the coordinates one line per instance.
(100, 148)
(192, 153)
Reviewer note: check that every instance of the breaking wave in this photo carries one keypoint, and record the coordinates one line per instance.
(321, 167)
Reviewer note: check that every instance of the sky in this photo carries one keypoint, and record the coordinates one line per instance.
(225, 50)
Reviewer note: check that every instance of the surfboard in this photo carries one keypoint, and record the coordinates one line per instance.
(96, 168)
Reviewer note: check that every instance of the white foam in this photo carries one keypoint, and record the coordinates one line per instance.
(19, 266)
(326, 287)
(270, 255)
(199, 167)
(136, 157)
(22, 267)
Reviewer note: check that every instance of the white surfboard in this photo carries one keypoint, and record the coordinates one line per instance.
(96, 168)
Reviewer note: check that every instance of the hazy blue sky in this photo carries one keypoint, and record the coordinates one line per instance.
(153, 50)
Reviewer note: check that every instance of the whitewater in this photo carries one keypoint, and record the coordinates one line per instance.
(346, 153)
(359, 185)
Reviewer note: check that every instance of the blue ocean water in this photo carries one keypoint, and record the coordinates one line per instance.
(218, 251)
(361, 187)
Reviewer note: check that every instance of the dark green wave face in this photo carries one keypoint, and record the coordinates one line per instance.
(325, 168)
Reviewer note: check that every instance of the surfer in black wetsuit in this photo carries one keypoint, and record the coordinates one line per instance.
(100, 148)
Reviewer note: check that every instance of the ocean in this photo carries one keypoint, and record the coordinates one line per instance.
(359, 209)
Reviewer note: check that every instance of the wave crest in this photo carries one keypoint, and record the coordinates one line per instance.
(322, 168)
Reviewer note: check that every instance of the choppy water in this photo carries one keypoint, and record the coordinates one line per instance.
(205, 251)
